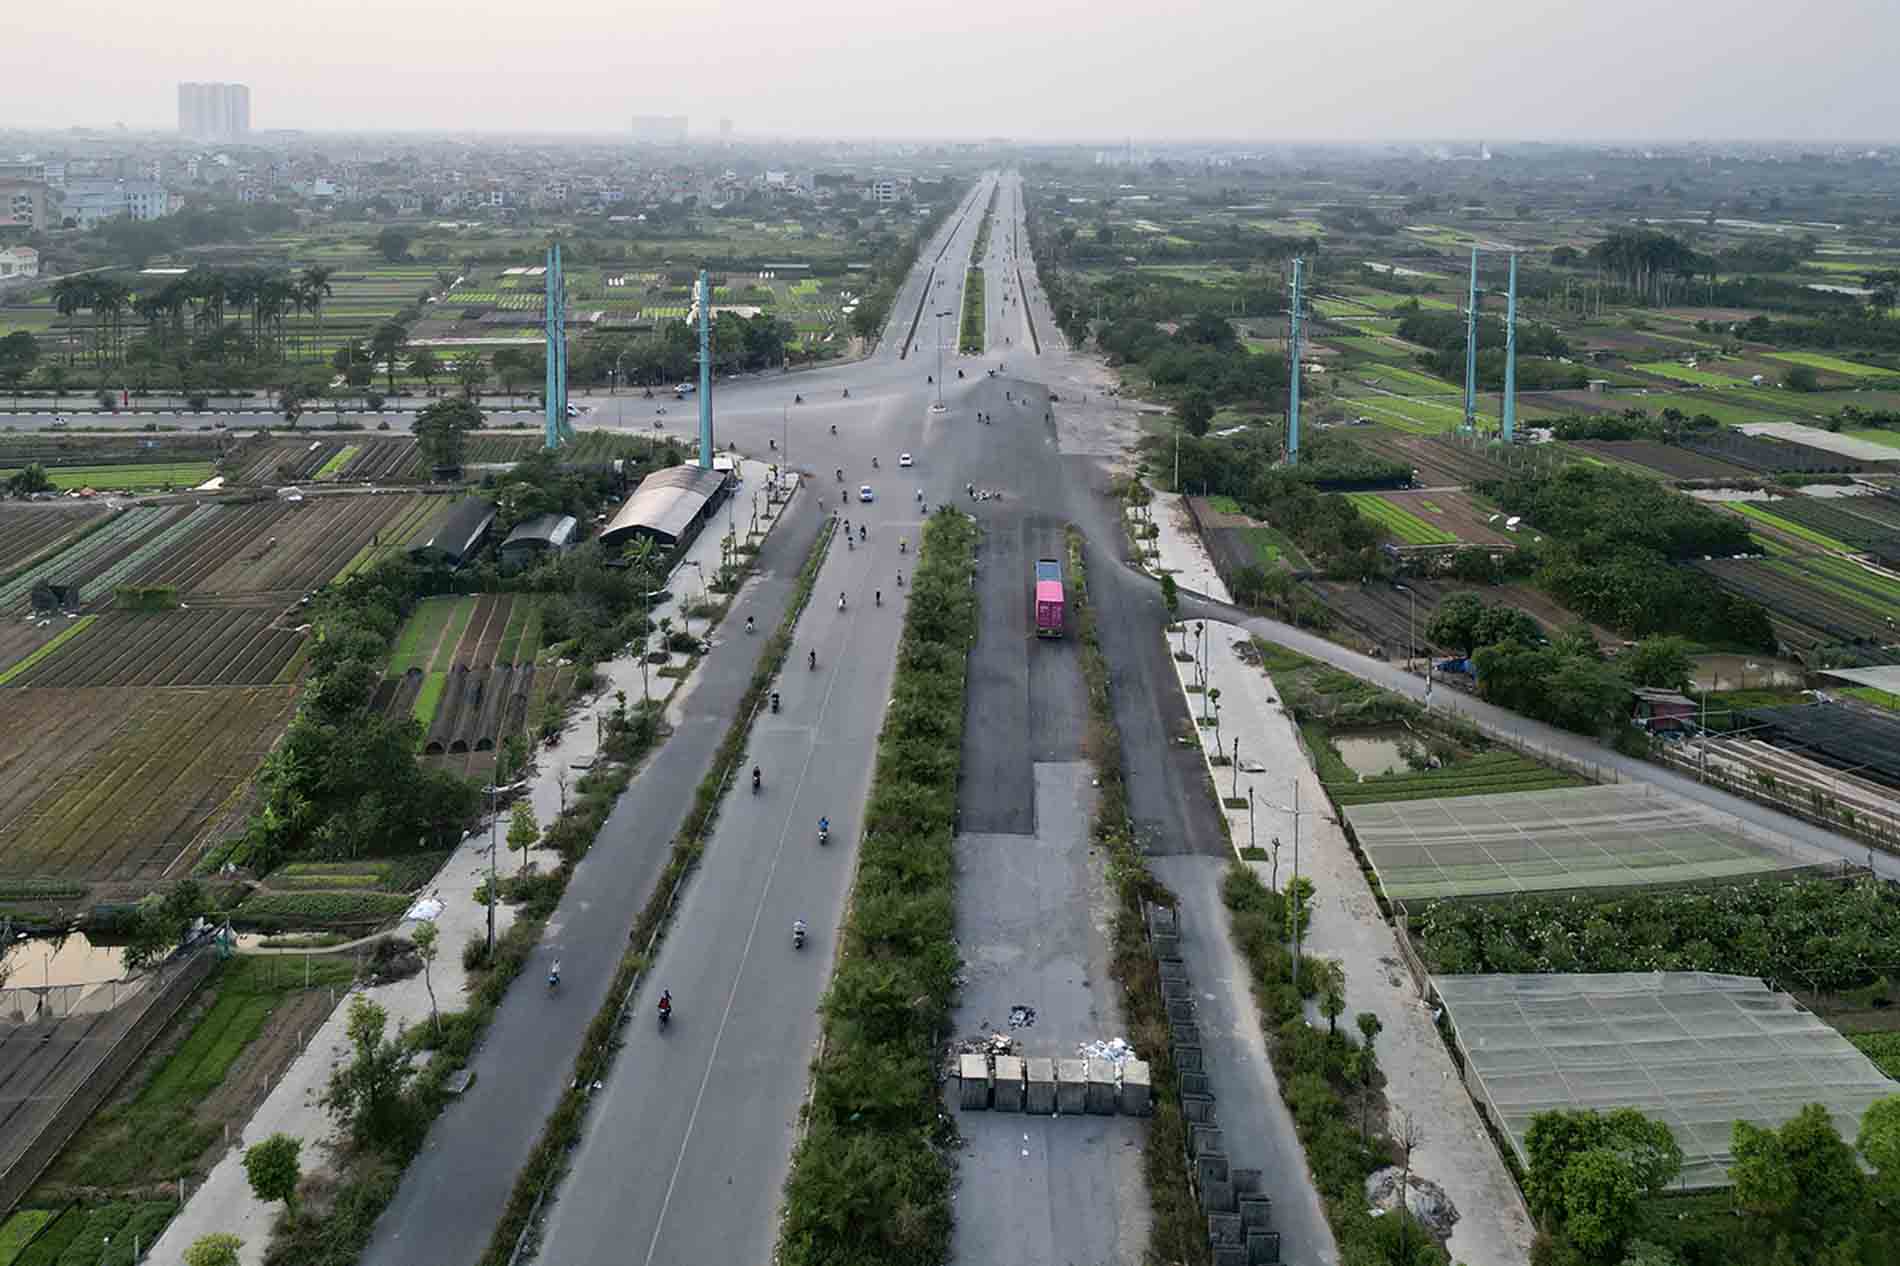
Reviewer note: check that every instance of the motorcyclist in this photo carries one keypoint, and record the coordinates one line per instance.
(900, 580)
(824, 830)
(666, 1005)
(860, 531)
(841, 600)
(844, 497)
(834, 428)
(877, 597)
(554, 974)
(874, 463)
(814, 657)
(903, 545)
(756, 778)
(847, 393)
(798, 933)
(839, 471)
(748, 624)
(775, 701)
(798, 400)
(928, 379)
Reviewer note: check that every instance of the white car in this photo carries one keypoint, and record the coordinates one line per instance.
(903, 459)
(865, 493)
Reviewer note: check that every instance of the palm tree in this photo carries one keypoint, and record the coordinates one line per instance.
(317, 288)
(110, 299)
(387, 345)
(425, 366)
(70, 294)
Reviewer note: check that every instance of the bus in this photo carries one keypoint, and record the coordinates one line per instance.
(1049, 601)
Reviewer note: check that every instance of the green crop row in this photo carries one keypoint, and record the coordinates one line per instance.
(1402, 523)
(64, 636)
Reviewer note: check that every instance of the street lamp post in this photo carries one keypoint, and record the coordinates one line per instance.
(939, 405)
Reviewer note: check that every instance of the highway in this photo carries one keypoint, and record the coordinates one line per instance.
(687, 1146)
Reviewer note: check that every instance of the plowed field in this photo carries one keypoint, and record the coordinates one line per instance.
(277, 547)
(210, 646)
(29, 532)
(100, 783)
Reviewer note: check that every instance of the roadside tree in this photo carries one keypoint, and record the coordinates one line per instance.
(274, 1169)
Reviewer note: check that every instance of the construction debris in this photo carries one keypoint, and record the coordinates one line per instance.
(1425, 1199)
(1116, 1051)
(1021, 1017)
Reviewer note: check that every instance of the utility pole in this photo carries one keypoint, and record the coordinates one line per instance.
(1294, 891)
(1293, 373)
(1471, 346)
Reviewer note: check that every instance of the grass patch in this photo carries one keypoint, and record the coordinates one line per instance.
(64, 636)
(1882, 1048)
(18, 1229)
(1875, 435)
(869, 1183)
(78, 1237)
(1866, 694)
(1484, 774)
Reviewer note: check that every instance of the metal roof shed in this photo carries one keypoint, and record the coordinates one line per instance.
(543, 534)
(455, 534)
(667, 505)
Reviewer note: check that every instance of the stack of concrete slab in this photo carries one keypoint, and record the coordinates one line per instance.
(1239, 1218)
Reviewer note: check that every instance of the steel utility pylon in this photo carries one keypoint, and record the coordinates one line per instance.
(705, 372)
(1509, 411)
(554, 317)
(1471, 347)
(1293, 375)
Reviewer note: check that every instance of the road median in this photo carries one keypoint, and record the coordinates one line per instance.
(871, 1179)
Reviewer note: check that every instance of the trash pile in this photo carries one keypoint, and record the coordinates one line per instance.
(1425, 1199)
(990, 1044)
(1021, 1017)
(1116, 1051)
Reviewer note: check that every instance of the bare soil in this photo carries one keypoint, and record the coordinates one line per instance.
(263, 1062)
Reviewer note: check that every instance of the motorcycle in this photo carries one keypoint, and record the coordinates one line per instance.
(775, 701)
(903, 546)
(839, 471)
(798, 935)
(824, 831)
(748, 624)
(813, 660)
(666, 1012)
(755, 780)
(860, 531)
(877, 598)
(840, 602)
(874, 463)
(554, 978)
(834, 428)
(798, 400)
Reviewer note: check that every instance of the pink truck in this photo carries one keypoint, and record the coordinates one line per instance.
(1049, 601)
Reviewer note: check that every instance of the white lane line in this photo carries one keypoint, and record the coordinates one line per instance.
(758, 913)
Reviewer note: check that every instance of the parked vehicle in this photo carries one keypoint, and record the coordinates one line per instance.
(1049, 599)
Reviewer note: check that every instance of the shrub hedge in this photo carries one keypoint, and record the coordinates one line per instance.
(870, 1181)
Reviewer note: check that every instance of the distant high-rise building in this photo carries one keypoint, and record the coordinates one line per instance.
(214, 112)
(725, 129)
(659, 129)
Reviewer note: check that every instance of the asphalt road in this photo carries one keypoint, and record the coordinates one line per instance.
(687, 1146)
(446, 1206)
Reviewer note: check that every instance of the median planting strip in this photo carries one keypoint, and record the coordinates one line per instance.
(971, 339)
(1178, 1232)
(548, 1162)
(870, 1180)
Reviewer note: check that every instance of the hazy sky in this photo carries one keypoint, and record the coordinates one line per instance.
(1039, 69)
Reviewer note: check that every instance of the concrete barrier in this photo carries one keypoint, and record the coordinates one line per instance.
(973, 1078)
(1072, 1087)
(1039, 1074)
(1137, 1097)
(1006, 1086)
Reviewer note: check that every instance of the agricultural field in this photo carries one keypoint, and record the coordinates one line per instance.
(1772, 456)
(104, 556)
(1437, 461)
(1698, 376)
(1816, 601)
(1832, 365)
(143, 476)
(1389, 620)
(1668, 460)
(1452, 514)
(1478, 774)
(231, 646)
(1405, 527)
(114, 784)
(465, 668)
(30, 532)
(1843, 523)
(278, 550)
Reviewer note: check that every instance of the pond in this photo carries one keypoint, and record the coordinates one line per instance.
(1369, 753)
(61, 960)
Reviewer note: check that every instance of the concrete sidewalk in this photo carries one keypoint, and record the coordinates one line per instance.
(1494, 1228)
(225, 1202)
(1178, 546)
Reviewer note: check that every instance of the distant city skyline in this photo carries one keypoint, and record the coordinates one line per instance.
(1349, 71)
